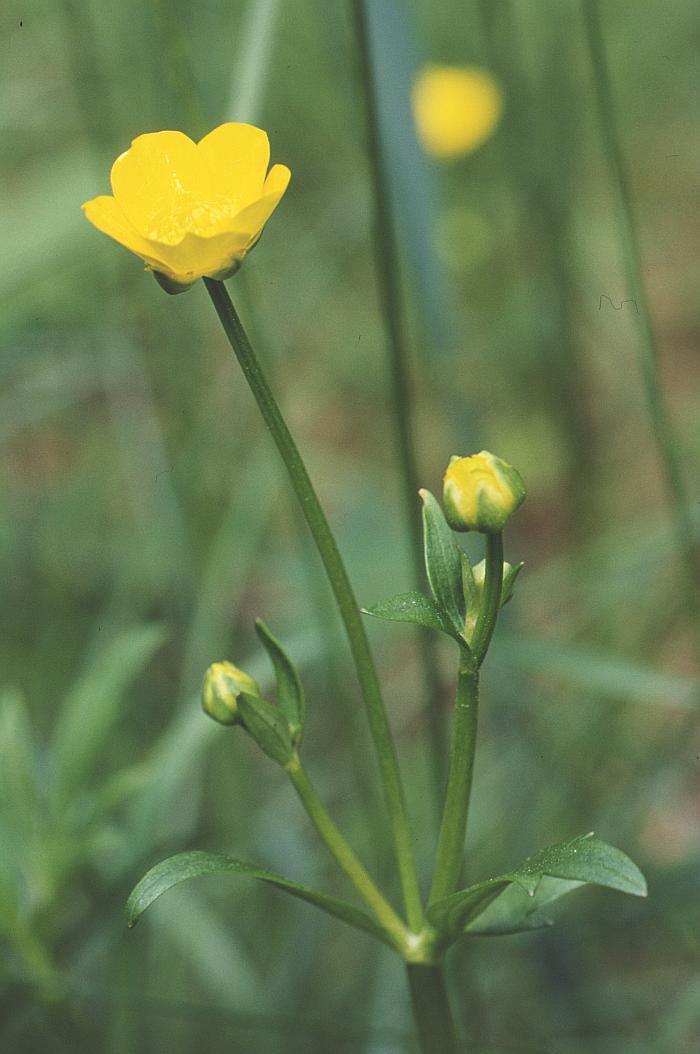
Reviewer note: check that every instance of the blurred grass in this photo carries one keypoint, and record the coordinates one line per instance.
(139, 490)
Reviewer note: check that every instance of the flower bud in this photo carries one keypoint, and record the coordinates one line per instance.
(510, 573)
(481, 492)
(223, 683)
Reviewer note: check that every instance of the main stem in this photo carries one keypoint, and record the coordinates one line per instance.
(448, 864)
(388, 282)
(344, 854)
(344, 596)
(493, 584)
(658, 413)
(431, 1010)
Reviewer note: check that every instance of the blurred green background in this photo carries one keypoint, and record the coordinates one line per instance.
(145, 522)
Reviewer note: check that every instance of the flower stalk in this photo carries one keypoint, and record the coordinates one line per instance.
(453, 828)
(344, 855)
(343, 593)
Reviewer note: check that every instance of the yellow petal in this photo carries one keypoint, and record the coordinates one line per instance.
(254, 218)
(456, 109)
(105, 214)
(157, 182)
(196, 256)
(236, 157)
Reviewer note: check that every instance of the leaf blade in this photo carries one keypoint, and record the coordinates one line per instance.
(411, 607)
(196, 863)
(443, 562)
(582, 861)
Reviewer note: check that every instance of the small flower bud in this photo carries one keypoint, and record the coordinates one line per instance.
(481, 492)
(223, 683)
(510, 573)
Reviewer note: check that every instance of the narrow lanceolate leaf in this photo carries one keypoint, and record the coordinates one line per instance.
(195, 864)
(513, 902)
(290, 693)
(411, 607)
(443, 563)
(267, 725)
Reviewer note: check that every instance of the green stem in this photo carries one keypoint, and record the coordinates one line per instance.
(491, 601)
(388, 273)
(344, 596)
(344, 854)
(448, 863)
(431, 1010)
(658, 413)
(453, 828)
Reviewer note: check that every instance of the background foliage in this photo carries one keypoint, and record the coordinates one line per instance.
(145, 523)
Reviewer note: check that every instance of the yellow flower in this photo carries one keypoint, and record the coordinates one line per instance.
(456, 109)
(481, 492)
(191, 209)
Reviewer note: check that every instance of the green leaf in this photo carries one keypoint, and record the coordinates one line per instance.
(184, 866)
(515, 911)
(290, 693)
(411, 607)
(268, 727)
(451, 914)
(95, 703)
(443, 563)
(584, 860)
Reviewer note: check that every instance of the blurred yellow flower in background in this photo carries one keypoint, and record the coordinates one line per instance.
(191, 209)
(456, 109)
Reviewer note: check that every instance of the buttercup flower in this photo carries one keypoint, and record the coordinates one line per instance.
(456, 109)
(223, 683)
(191, 209)
(481, 492)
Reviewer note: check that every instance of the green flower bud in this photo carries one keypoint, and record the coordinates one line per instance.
(510, 574)
(223, 683)
(481, 492)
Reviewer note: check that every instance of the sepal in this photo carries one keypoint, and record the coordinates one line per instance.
(169, 284)
(268, 726)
